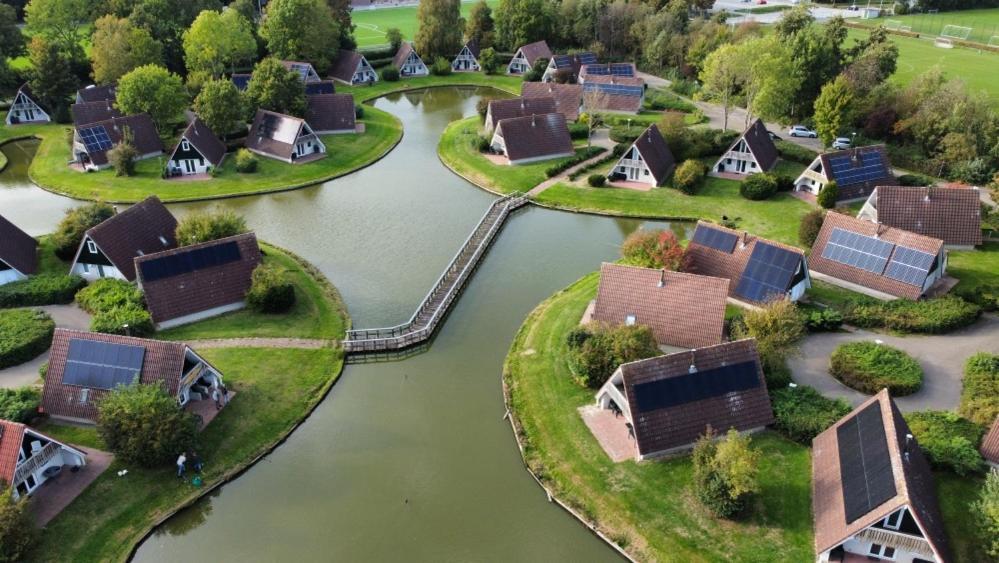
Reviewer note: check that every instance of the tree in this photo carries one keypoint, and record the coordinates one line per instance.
(59, 21)
(275, 88)
(522, 21)
(220, 106)
(832, 108)
(394, 38)
(12, 43)
(271, 291)
(793, 22)
(480, 26)
(204, 226)
(301, 30)
(488, 61)
(342, 14)
(596, 350)
(69, 233)
(51, 76)
(986, 512)
(216, 41)
(773, 80)
(122, 157)
(18, 533)
(440, 25)
(828, 195)
(724, 74)
(777, 328)
(167, 20)
(656, 248)
(154, 90)
(725, 472)
(810, 226)
(143, 424)
(247, 9)
(119, 47)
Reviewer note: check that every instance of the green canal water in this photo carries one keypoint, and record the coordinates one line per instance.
(408, 460)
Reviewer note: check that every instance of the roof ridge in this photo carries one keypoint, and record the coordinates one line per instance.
(181, 249)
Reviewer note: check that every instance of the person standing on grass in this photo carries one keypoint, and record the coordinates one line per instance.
(225, 394)
(196, 462)
(181, 467)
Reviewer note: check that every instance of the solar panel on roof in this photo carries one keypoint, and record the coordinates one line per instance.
(562, 61)
(690, 387)
(587, 58)
(324, 87)
(769, 273)
(848, 170)
(864, 464)
(302, 70)
(910, 266)
(102, 365)
(597, 70)
(867, 253)
(714, 238)
(615, 89)
(190, 261)
(622, 69)
(95, 138)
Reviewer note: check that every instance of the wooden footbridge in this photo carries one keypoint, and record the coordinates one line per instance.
(432, 310)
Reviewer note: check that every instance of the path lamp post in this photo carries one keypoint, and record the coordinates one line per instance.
(125, 326)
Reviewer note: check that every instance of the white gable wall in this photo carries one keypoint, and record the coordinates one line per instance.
(364, 72)
(634, 167)
(812, 179)
(25, 110)
(413, 66)
(738, 160)
(519, 64)
(89, 271)
(465, 61)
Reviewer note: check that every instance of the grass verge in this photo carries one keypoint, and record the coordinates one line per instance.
(510, 84)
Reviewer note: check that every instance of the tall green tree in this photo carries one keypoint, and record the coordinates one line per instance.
(301, 30)
(51, 76)
(167, 20)
(142, 424)
(154, 90)
(119, 46)
(274, 88)
(60, 22)
(773, 80)
(724, 75)
(216, 41)
(220, 106)
(18, 533)
(342, 14)
(522, 21)
(481, 27)
(440, 25)
(12, 43)
(394, 38)
(832, 109)
(247, 9)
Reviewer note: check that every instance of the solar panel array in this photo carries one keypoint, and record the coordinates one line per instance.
(190, 261)
(864, 464)
(95, 138)
(687, 388)
(622, 69)
(562, 61)
(713, 238)
(859, 251)
(587, 58)
(323, 87)
(847, 171)
(910, 266)
(615, 89)
(102, 365)
(769, 273)
(598, 70)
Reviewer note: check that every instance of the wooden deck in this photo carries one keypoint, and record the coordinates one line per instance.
(422, 325)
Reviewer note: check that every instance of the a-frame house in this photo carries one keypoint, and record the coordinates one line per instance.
(198, 151)
(25, 109)
(409, 62)
(467, 59)
(648, 160)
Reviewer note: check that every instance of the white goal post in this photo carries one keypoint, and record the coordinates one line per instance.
(951, 31)
(943, 43)
(994, 41)
(893, 25)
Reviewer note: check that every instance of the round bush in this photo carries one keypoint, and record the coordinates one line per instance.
(828, 195)
(142, 424)
(24, 334)
(689, 175)
(390, 74)
(482, 143)
(440, 67)
(869, 367)
(246, 161)
(271, 290)
(785, 183)
(801, 413)
(596, 180)
(21, 404)
(758, 187)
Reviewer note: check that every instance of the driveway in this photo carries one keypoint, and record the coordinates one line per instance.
(65, 316)
(941, 356)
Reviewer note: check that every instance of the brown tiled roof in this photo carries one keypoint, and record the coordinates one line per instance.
(519, 107)
(990, 444)
(187, 293)
(134, 232)
(535, 136)
(163, 361)
(274, 133)
(18, 249)
(330, 112)
(97, 93)
(345, 65)
(656, 154)
(535, 51)
(204, 140)
(760, 144)
(913, 483)
(400, 56)
(144, 135)
(93, 112)
(877, 282)
(622, 80)
(953, 214)
(568, 97)
(682, 423)
(11, 438)
(687, 311)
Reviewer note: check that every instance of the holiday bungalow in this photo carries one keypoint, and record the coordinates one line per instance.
(566, 68)
(283, 137)
(759, 270)
(195, 282)
(950, 213)
(319, 88)
(198, 152)
(516, 107)
(856, 172)
(18, 253)
(91, 142)
(408, 62)
(467, 59)
(331, 113)
(876, 260)
(25, 109)
(85, 113)
(350, 67)
(109, 249)
(532, 138)
(29, 458)
(613, 94)
(85, 366)
(990, 445)
(682, 310)
(873, 496)
(304, 70)
(525, 57)
(92, 93)
(648, 161)
(588, 71)
(568, 97)
(754, 151)
(668, 402)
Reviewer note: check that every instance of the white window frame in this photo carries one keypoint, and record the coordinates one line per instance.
(185, 145)
(91, 246)
(878, 550)
(898, 522)
(84, 395)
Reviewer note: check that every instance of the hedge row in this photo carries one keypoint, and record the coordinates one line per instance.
(802, 413)
(929, 316)
(561, 167)
(948, 441)
(20, 405)
(796, 153)
(980, 390)
(24, 335)
(869, 367)
(117, 306)
(46, 289)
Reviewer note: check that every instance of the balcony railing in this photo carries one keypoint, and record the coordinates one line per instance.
(897, 540)
(34, 462)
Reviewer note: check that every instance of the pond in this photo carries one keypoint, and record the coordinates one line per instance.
(409, 459)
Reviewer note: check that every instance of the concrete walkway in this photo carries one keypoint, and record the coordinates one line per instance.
(305, 343)
(600, 138)
(65, 316)
(941, 356)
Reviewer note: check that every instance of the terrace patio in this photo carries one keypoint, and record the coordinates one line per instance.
(56, 493)
(611, 431)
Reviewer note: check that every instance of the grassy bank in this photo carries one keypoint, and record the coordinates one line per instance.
(510, 84)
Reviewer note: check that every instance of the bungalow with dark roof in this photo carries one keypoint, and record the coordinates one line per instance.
(648, 161)
(331, 113)
(109, 249)
(198, 152)
(25, 109)
(568, 97)
(532, 138)
(91, 142)
(669, 402)
(319, 88)
(350, 67)
(86, 366)
(876, 260)
(85, 113)
(990, 445)
(759, 270)
(754, 151)
(304, 70)
(29, 458)
(516, 107)
(566, 68)
(856, 172)
(408, 61)
(526, 55)
(191, 283)
(873, 495)
(467, 59)
(950, 213)
(283, 137)
(683, 310)
(94, 93)
(614, 94)
(18, 253)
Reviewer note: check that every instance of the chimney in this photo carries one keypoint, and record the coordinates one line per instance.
(908, 446)
(745, 239)
(533, 120)
(662, 278)
(693, 368)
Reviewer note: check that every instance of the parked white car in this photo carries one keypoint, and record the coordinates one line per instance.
(801, 131)
(841, 143)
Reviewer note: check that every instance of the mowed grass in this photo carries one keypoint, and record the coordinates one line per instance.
(975, 267)
(509, 84)
(372, 24)
(955, 495)
(984, 23)
(649, 508)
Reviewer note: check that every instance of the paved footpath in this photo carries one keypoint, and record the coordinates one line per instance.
(65, 316)
(600, 138)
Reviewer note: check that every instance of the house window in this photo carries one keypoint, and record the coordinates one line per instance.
(894, 520)
(184, 145)
(882, 551)
(646, 171)
(753, 164)
(84, 395)
(629, 320)
(92, 247)
(86, 268)
(728, 161)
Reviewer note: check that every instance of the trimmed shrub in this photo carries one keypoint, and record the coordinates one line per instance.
(127, 320)
(823, 320)
(246, 161)
(986, 513)
(801, 413)
(588, 153)
(482, 143)
(785, 183)
(69, 233)
(915, 180)
(620, 148)
(271, 290)
(828, 195)
(440, 67)
(929, 316)
(980, 389)
(579, 130)
(359, 111)
(45, 289)
(870, 367)
(811, 224)
(24, 335)
(390, 74)
(21, 404)
(985, 296)
(142, 424)
(758, 187)
(596, 180)
(108, 293)
(948, 441)
(725, 472)
(777, 328)
(205, 226)
(625, 134)
(596, 350)
(688, 176)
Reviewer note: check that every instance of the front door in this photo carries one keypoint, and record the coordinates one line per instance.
(189, 166)
(632, 173)
(741, 166)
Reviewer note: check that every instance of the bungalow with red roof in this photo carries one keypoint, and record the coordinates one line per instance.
(648, 161)
(950, 213)
(93, 141)
(467, 59)
(331, 113)
(29, 458)
(198, 151)
(408, 61)
(990, 445)
(856, 172)
(25, 109)
(350, 67)
(532, 138)
(568, 97)
(284, 137)
(566, 68)
(516, 107)
(526, 55)
(18, 253)
(754, 151)
(613, 94)
(85, 113)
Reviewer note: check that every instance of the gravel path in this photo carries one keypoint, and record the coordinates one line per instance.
(65, 316)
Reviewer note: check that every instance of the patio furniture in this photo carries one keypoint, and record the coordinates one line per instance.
(52, 471)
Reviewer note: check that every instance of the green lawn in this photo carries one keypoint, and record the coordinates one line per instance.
(955, 495)
(372, 24)
(275, 390)
(983, 23)
(503, 82)
(649, 507)
(975, 267)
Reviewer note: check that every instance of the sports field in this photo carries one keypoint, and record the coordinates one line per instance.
(984, 24)
(372, 24)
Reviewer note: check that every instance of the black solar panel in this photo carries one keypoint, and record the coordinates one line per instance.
(562, 61)
(241, 81)
(768, 273)
(615, 89)
(848, 170)
(622, 69)
(713, 238)
(910, 266)
(859, 251)
(864, 464)
(190, 261)
(102, 365)
(95, 138)
(324, 87)
(587, 58)
(687, 388)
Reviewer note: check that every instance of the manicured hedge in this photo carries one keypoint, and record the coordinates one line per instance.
(948, 440)
(24, 334)
(113, 321)
(869, 367)
(19, 405)
(108, 293)
(45, 289)
(985, 296)
(587, 154)
(797, 153)
(822, 320)
(271, 291)
(980, 390)
(929, 316)
(626, 134)
(802, 413)
(758, 187)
